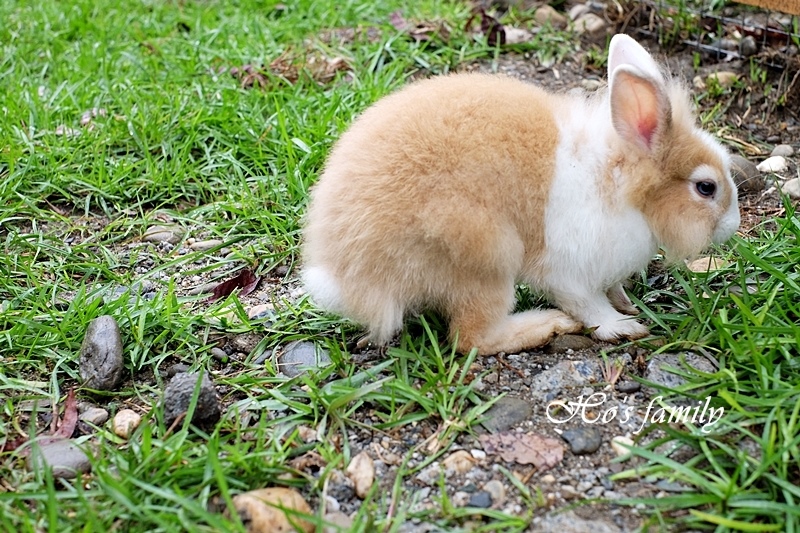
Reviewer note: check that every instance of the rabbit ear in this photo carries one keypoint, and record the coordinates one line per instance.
(623, 50)
(640, 108)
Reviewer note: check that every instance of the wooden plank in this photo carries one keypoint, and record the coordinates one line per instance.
(787, 6)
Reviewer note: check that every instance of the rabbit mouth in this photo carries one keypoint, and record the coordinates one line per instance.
(728, 224)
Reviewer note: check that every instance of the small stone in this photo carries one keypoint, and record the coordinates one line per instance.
(481, 500)
(782, 150)
(776, 163)
(178, 397)
(300, 356)
(628, 387)
(219, 354)
(699, 83)
(547, 15)
(746, 175)
(491, 378)
(569, 522)
(125, 422)
(63, 456)
(583, 440)
(170, 234)
(517, 35)
(724, 78)
(497, 491)
(458, 462)
(478, 455)
(177, 368)
(507, 412)
(562, 343)
(548, 479)
(430, 475)
(101, 362)
(748, 46)
(336, 522)
(245, 342)
(262, 510)
(658, 369)
(590, 24)
(792, 188)
(619, 443)
(361, 471)
(260, 312)
(583, 486)
(202, 246)
(94, 415)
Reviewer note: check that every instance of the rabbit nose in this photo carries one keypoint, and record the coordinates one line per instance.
(728, 224)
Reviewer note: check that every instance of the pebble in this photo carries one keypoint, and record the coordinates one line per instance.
(481, 500)
(202, 246)
(591, 24)
(259, 312)
(94, 415)
(430, 475)
(583, 440)
(517, 35)
(792, 188)
(548, 479)
(458, 462)
(748, 47)
(125, 423)
(706, 264)
(562, 343)
(299, 356)
(101, 361)
(547, 14)
(776, 163)
(177, 368)
(546, 385)
(178, 396)
(583, 486)
(496, 490)
(245, 342)
(219, 354)
(628, 387)
(337, 522)
(782, 150)
(169, 234)
(569, 522)
(746, 175)
(507, 412)
(578, 10)
(658, 373)
(63, 456)
(478, 455)
(619, 443)
(263, 513)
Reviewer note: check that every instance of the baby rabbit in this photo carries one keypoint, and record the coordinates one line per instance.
(447, 193)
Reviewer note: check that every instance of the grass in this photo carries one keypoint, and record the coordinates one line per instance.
(176, 137)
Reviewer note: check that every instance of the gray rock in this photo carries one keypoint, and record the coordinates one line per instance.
(583, 440)
(562, 343)
(496, 490)
(547, 15)
(481, 500)
(748, 47)
(506, 413)
(567, 374)
(792, 188)
(245, 342)
(94, 415)
(177, 368)
(658, 369)
(783, 150)
(300, 356)
(219, 354)
(569, 522)
(746, 175)
(170, 234)
(101, 361)
(628, 387)
(202, 246)
(178, 396)
(590, 24)
(63, 456)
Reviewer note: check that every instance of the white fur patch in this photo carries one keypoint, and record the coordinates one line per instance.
(323, 288)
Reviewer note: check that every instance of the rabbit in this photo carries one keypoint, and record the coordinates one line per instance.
(449, 192)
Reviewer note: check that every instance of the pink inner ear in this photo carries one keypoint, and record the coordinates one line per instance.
(635, 108)
(647, 127)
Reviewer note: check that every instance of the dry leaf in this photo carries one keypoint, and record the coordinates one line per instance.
(460, 462)
(524, 448)
(246, 280)
(70, 418)
(361, 472)
(307, 461)
(419, 31)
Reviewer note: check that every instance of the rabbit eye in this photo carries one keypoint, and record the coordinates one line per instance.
(706, 188)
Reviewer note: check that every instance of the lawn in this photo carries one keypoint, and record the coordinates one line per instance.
(215, 118)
